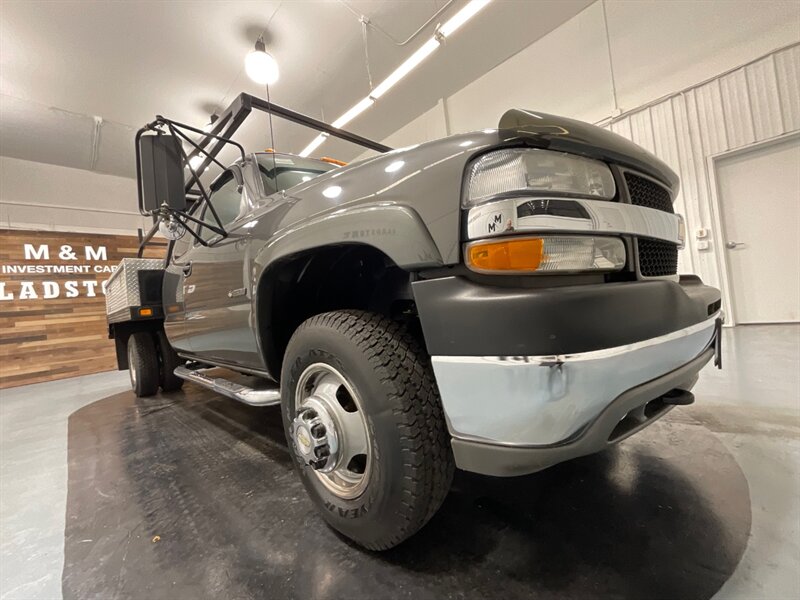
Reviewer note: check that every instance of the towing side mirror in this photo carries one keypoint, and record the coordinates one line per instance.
(160, 172)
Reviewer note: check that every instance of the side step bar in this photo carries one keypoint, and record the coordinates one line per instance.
(237, 391)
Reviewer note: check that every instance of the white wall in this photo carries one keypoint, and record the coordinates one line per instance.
(652, 49)
(566, 72)
(658, 48)
(670, 75)
(41, 196)
(430, 125)
(756, 102)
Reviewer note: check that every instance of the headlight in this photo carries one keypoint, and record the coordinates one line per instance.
(535, 170)
(547, 254)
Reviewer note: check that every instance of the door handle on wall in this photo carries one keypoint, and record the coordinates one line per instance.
(732, 245)
(187, 269)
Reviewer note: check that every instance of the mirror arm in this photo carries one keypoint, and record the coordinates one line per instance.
(193, 234)
(200, 240)
(217, 230)
(170, 122)
(199, 150)
(142, 211)
(163, 213)
(182, 218)
(147, 238)
(195, 177)
(221, 228)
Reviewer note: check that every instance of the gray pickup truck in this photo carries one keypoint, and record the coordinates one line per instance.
(498, 301)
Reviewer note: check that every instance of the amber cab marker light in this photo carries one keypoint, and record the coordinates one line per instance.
(506, 255)
(333, 161)
(145, 312)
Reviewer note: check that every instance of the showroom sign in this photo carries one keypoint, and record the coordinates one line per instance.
(50, 288)
(52, 305)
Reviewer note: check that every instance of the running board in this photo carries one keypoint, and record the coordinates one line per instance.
(237, 391)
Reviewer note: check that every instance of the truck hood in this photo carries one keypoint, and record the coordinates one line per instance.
(570, 135)
(428, 177)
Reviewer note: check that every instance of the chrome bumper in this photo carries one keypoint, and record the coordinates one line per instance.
(530, 401)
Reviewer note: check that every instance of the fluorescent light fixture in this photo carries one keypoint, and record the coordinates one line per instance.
(316, 142)
(462, 16)
(404, 69)
(465, 14)
(354, 112)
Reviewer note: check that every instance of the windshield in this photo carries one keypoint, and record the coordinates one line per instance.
(282, 171)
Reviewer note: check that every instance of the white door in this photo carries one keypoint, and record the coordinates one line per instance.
(759, 194)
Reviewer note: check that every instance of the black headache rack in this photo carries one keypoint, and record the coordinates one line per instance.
(163, 145)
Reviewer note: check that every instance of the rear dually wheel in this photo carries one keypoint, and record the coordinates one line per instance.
(143, 363)
(168, 361)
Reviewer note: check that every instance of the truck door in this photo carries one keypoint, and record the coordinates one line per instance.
(216, 289)
(172, 294)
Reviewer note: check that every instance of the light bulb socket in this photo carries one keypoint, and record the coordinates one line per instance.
(260, 46)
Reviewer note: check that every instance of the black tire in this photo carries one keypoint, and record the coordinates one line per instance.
(168, 360)
(143, 364)
(411, 463)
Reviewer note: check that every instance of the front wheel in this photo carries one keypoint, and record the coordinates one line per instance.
(364, 422)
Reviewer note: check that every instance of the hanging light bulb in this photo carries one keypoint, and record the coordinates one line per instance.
(260, 66)
(210, 125)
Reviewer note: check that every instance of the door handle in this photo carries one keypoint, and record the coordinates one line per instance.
(187, 269)
(732, 245)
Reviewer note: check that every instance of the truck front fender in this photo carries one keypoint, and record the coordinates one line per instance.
(395, 230)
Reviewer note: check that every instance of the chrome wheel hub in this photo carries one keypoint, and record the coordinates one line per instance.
(329, 431)
(314, 435)
(131, 363)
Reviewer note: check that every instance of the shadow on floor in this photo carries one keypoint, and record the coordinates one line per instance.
(191, 495)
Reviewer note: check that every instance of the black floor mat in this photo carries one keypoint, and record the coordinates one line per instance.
(191, 495)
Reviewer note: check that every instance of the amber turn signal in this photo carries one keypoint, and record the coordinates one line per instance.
(145, 312)
(506, 255)
(549, 254)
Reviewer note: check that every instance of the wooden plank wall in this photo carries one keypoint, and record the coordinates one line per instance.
(42, 339)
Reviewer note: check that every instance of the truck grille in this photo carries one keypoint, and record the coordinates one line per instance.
(656, 258)
(644, 192)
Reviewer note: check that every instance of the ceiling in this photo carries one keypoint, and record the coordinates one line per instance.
(78, 78)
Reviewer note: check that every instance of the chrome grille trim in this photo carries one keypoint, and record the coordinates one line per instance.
(569, 215)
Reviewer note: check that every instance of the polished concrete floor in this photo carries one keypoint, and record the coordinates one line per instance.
(190, 495)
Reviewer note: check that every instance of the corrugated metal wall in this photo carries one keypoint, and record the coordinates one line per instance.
(753, 103)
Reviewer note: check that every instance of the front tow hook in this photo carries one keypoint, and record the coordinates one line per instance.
(677, 397)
